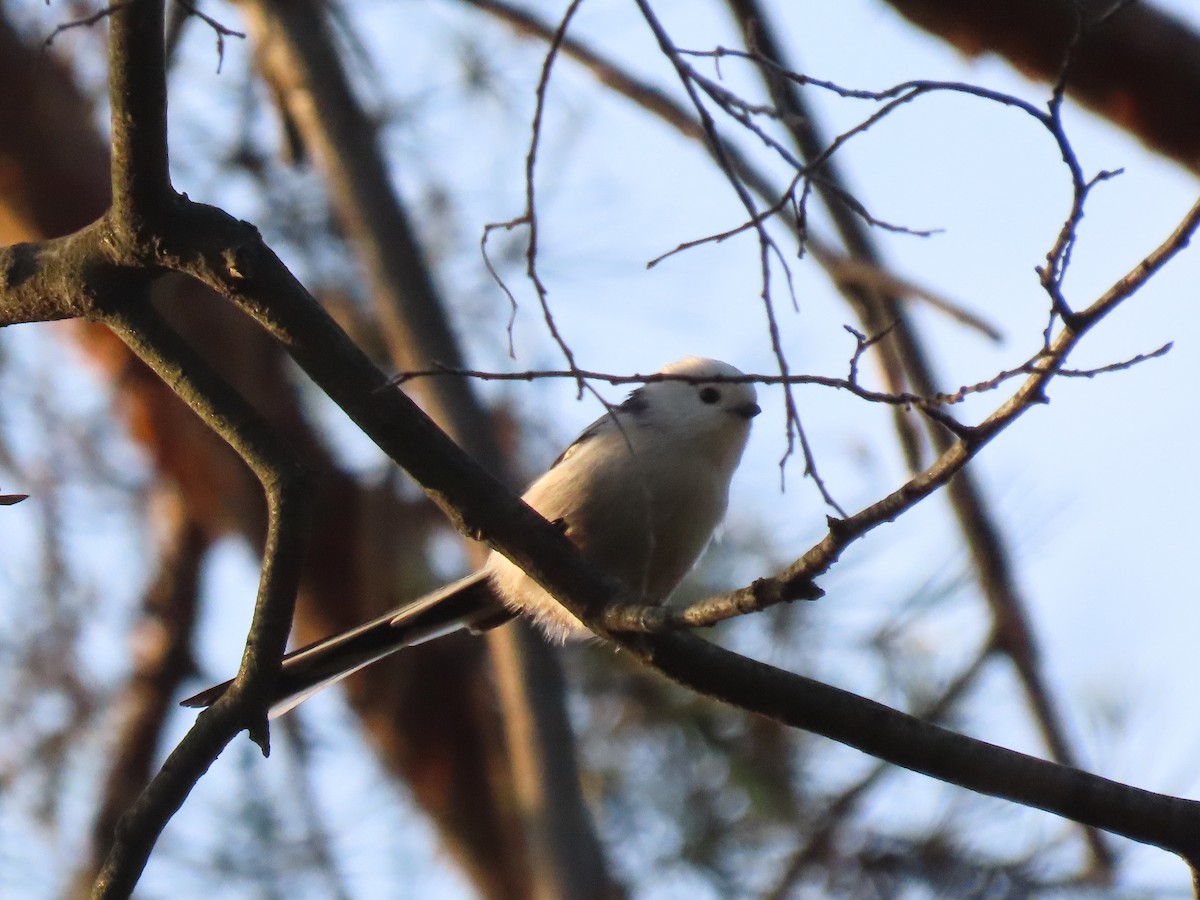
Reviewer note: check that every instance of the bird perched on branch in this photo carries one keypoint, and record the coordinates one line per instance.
(640, 492)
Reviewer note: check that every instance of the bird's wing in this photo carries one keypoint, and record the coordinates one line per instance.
(467, 603)
(631, 409)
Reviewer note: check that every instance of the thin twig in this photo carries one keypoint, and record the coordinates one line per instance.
(221, 31)
(87, 21)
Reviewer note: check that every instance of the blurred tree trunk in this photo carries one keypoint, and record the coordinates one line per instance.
(297, 56)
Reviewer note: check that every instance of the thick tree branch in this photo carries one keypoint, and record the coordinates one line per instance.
(1167, 822)
(137, 85)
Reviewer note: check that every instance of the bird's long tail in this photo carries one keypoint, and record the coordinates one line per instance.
(467, 603)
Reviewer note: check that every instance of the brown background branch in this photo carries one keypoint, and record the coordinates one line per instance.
(1140, 69)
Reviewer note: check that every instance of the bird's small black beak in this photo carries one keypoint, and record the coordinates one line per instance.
(748, 410)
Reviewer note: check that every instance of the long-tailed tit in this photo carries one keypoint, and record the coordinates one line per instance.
(640, 491)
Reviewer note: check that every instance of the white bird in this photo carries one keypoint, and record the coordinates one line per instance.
(640, 492)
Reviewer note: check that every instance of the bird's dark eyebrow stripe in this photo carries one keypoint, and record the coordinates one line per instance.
(635, 403)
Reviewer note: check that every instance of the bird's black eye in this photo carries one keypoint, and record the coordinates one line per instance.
(709, 395)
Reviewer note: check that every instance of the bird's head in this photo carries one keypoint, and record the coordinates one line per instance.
(697, 407)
